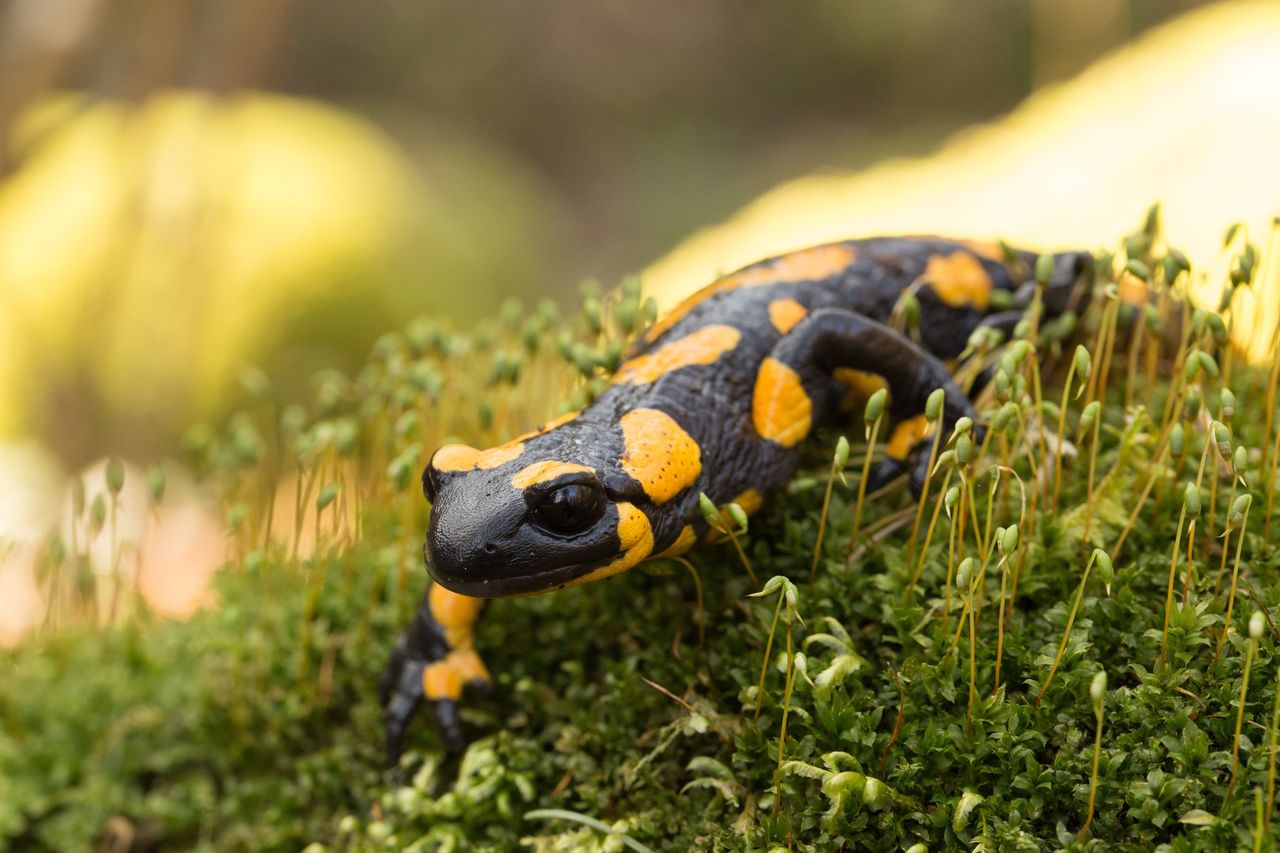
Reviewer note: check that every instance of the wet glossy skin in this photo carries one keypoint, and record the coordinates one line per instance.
(699, 406)
(716, 397)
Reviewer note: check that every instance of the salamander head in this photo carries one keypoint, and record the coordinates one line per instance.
(533, 515)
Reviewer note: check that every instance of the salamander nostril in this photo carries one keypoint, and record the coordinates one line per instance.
(490, 548)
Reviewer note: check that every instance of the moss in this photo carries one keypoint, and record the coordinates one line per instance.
(255, 725)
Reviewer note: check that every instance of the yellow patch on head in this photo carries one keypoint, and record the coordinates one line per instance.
(457, 614)
(659, 454)
(683, 542)
(803, 265)
(548, 426)
(542, 472)
(780, 408)
(701, 347)
(635, 537)
(460, 457)
(905, 435)
(633, 527)
(785, 313)
(560, 420)
(959, 280)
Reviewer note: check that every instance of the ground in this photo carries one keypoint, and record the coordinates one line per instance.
(953, 709)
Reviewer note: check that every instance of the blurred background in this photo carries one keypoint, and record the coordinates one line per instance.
(190, 187)
(193, 188)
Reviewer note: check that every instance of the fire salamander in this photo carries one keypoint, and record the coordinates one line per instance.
(716, 397)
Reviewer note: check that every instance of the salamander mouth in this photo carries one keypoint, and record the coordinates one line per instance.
(474, 585)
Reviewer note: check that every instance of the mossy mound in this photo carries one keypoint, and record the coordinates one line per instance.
(933, 694)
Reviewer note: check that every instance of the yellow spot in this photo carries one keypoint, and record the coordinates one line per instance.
(701, 347)
(557, 421)
(905, 435)
(1133, 290)
(780, 408)
(633, 527)
(442, 681)
(444, 678)
(804, 265)
(541, 472)
(861, 384)
(750, 501)
(984, 249)
(785, 313)
(810, 264)
(469, 664)
(548, 426)
(635, 536)
(683, 542)
(959, 280)
(460, 457)
(455, 613)
(660, 455)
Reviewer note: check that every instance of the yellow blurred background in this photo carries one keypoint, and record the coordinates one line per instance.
(1187, 116)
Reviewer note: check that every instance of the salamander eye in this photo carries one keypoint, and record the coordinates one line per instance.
(570, 509)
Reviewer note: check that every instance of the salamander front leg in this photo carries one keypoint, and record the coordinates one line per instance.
(434, 660)
(795, 381)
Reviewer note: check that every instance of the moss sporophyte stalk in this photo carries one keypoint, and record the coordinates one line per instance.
(1106, 509)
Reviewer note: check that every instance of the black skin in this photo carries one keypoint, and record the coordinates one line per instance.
(487, 538)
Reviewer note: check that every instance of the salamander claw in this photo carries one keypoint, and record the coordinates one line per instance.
(410, 679)
(452, 737)
(401, 695)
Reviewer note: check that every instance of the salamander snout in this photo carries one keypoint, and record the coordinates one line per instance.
(517, 528)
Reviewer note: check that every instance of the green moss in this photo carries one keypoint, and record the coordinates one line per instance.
(255, 725)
